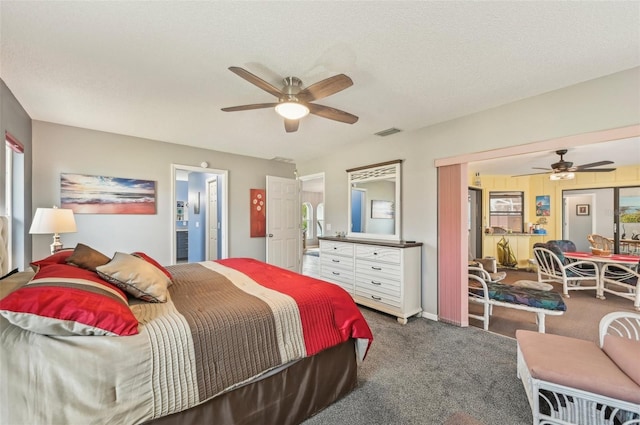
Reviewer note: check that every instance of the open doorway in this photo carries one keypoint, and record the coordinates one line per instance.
(199, 214)
(313, 222)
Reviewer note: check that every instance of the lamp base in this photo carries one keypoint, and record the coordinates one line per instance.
(56, 245)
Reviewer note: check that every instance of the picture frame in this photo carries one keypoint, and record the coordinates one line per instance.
(583, 209)
(382, 209)
(89, 194)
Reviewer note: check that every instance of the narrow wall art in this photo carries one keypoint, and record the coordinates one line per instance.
(257, 216)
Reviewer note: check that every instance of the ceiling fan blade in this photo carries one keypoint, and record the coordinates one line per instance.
(331, 113)
(325, 88)
(540, 168)
(594, 170)
(291, 125)
(593, 164)
(528, 174)
(249, 107)
(256, 81)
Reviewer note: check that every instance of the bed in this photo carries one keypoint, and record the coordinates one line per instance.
(236, 341)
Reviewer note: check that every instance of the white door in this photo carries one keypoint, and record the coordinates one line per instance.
(283, 223)
(213, 222)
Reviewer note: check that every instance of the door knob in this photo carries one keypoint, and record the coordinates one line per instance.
(270, 235)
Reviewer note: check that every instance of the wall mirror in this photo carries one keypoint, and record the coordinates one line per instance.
(374, 201)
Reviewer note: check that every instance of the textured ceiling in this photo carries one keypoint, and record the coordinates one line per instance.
(158, 70)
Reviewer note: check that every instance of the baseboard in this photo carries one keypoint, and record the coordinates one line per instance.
(430, 316)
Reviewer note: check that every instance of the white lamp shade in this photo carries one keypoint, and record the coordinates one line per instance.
(292, 110)
(53, 220)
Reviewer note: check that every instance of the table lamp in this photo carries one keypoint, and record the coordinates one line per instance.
(53, 220)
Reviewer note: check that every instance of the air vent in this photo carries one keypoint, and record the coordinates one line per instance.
(388, 132)
(282, 159)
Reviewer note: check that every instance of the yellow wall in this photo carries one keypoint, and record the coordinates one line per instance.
(537, 185)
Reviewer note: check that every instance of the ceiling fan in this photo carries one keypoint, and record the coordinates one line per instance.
(294, 102)
(564, 170)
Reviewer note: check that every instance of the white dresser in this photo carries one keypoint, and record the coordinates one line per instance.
(385, 276)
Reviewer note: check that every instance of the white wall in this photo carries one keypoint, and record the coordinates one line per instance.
(62, 149)
(605, 103)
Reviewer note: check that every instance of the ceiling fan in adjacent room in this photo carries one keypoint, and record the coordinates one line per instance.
(294, 102)
(565, 170)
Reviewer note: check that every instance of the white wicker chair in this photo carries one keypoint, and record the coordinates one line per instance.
(622, 281)
(571, 276)
(555, 404)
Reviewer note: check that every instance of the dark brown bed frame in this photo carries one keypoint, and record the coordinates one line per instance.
(285, 398)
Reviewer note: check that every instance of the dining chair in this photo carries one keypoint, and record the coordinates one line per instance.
(620, 280)
(571, 275)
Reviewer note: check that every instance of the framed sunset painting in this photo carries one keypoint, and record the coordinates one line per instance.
(85, 194)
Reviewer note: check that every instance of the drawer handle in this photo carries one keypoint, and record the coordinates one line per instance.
(376, 283)
(375, 253)
(336, 273)
(335, 261)
(376, 268)
(335, 247)
(376, 298)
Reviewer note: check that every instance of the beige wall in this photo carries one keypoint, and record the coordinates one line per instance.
(61, 149)
(605, 103)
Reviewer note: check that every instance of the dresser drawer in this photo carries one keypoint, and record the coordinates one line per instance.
(378, 253)
(336, 248)
(377, 297)
(388, 288)
(376, 270)
(333, 261)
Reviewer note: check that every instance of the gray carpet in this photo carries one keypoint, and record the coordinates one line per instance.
(426, 371)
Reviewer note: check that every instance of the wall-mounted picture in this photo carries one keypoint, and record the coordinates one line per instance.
(382, 209)
(543, 205)
(582, 209)
(257, 217)
(86, 194)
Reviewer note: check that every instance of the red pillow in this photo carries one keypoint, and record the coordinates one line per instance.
(151, 261)
(65, 300)
(59, 257)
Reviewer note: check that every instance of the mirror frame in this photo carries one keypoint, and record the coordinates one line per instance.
(380, 171)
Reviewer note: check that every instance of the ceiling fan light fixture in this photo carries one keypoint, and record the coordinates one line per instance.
(565, 175)
(292, 110)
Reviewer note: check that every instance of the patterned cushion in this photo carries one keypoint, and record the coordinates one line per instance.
(136, 276)
(524, 296)
(65, 300)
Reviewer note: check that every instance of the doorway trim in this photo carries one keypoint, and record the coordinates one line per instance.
(224, 210)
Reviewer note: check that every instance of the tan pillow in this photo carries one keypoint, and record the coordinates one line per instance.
(625, 353)
(87, 257)
(136, 276)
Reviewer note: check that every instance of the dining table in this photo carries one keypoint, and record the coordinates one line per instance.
(632, 261)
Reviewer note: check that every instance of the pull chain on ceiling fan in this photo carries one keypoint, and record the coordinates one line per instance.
(564, 170)
(294, 102)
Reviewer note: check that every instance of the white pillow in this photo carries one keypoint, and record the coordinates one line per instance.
(136, 276)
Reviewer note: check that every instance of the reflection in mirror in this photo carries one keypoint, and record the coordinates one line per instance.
(374, 201)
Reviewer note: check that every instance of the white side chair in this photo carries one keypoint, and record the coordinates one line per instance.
(572, 276)
(622, 281)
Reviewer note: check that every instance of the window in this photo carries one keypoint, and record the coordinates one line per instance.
(506, 210)
(307, 220)
(320, 219)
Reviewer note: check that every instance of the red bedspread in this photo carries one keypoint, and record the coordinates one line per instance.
(328, 314)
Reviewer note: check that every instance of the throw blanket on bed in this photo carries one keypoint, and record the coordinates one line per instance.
(225, 323)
